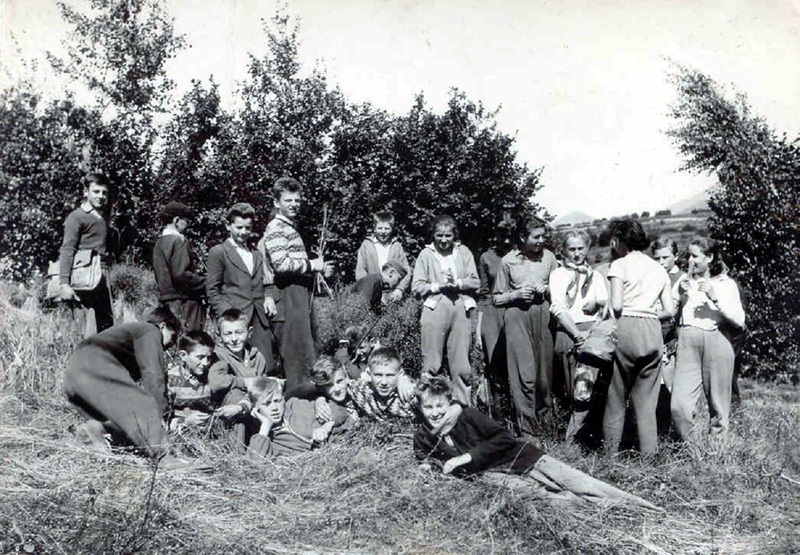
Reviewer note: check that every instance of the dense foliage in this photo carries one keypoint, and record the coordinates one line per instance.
(756, 215)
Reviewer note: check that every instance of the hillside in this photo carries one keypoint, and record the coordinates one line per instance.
(697, 201)
(573, 218)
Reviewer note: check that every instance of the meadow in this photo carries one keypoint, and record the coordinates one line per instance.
(363, 492)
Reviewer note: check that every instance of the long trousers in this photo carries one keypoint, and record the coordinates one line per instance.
(529, 347)
(103, 389)
(494, 356)
(296, 334)
(567, 363)
(191, 313)
(637, 371)
(554, 480)
(704, 364)
(97, 313)
(446, 326)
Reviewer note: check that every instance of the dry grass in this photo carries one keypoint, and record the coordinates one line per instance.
(363, 493)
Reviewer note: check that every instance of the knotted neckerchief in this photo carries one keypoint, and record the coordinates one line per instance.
(572, 289)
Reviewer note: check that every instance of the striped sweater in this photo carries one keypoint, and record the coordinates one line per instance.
(286, 250)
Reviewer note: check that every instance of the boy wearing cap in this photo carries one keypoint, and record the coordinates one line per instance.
(374, 287)
(180, 287)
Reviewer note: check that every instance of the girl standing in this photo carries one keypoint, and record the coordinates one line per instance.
(637, 283)
(577, 294)
(704, 361)
(444, 275)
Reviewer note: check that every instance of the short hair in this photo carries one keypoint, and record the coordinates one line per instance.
(194, 338)
(710, 248)
(433, 385)
(580, 234)
(531, 223)
(383, 356)
(630, 232)
(383, 216)
(231, 315)
(96, 178)
(444, 220)
(354, 335)
(173, 210)
(264, 387)
(163, 315)
(242, 210)
(286, 185)
(323, 370)
(664, 243)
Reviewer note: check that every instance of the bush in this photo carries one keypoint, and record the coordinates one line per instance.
(756, 217)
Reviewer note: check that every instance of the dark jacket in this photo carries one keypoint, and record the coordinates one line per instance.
(174, 267)
(491, 445)
(230, 285)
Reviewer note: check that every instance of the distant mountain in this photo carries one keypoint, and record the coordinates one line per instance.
(694, 202)
(573, 218)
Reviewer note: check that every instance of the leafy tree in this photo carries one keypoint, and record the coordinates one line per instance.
(40, 171)
(756, 216)
(118, 50)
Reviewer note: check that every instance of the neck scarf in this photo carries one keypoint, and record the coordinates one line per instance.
(572, 289)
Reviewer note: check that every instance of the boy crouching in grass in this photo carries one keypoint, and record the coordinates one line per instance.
(285, 426)
(230, 377)
(476, 443)
(187, 382)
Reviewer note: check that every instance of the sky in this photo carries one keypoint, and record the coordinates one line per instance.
(581, 85)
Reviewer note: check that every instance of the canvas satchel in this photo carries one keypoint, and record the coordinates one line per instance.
(85, 275)
(599, 346)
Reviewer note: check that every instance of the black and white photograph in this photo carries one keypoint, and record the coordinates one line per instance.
(392, 276)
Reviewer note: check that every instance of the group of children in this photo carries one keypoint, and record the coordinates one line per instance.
(264, 379)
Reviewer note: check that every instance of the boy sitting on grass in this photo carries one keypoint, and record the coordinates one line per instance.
(187, 381)
(238, 367)
(285, 426)
(477, 444)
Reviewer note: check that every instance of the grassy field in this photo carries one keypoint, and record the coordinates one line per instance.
(363, 493)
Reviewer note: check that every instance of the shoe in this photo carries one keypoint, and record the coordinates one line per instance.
(93, 434)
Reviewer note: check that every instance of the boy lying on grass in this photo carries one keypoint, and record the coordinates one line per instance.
(477, 444)
(285, 426)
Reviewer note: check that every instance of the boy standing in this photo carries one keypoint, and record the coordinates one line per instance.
(187, 381)
(294, 283)
(382, 247)
(86, 229)
(236, 279)
(235, 371)
(179, 285)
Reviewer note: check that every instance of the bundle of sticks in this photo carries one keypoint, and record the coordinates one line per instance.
(320, 284)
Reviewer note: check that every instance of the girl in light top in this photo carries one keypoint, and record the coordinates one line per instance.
(637, 283)
(444, 277)
(704, 362)
(577, 294)
(665, 252)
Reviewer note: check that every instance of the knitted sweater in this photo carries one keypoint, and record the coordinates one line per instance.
(84, 229)
(428, 276)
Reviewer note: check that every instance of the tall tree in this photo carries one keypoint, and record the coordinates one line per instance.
(756, 214)
(118, 50)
